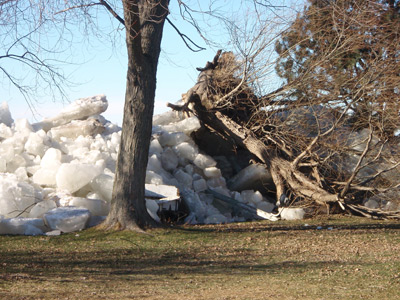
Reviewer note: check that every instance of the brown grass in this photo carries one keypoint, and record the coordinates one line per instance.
(346, 259)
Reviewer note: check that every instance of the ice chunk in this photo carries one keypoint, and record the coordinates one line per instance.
(221, 190)
(115, 139)
(186, 151)
(194, 204)
(184, 179)
(7, 152)
(166, 118)
(32, 169)
(95, 206)
(199, 185)
(371, 203)
(53, 233)
(17, 162)
(170, 139)
(212, 172)
(162, 192)
(25, 226)
(154, 164)
(5, 115)
(189, 168)
(93, 195)
(78, 110)
(169, 160)
(256, 197)
(67, 219)
(73, 176)
(41, 208)
(208, 199)
(155, 147)
(3, 165)
(45, 177)
(89, 127)
(5, 131)
(21, 174)
(152, 208)
(358, 140)
(187, 126)
(23, 127)
(237, 196)
(266, 206)
(266, 215)
(204, 161)
(288, 213)
(250, 177)
(35, 144)
(247, 196)
(216, 219)
(103, 185)
(153, 178)
(216, 182)
(16, 198)
(51, 159)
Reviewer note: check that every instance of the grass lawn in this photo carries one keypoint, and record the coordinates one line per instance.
(348, 258)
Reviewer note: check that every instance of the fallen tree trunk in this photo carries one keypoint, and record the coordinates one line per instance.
(283, 165)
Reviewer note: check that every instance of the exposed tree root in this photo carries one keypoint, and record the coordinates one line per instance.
(284, 165)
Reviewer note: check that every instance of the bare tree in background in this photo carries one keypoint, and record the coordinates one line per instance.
(25, 51)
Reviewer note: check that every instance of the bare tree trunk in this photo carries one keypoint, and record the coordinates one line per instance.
(144, 21)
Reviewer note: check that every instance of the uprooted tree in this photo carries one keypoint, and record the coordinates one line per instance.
(328, 135)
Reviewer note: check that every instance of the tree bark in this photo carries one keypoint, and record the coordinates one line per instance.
(144, 21)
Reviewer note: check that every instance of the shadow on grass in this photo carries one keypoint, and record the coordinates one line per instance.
(109, 264)
(262, 226)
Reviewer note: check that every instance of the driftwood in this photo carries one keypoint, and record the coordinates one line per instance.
(283, 166)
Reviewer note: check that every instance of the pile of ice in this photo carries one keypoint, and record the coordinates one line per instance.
(57, 175)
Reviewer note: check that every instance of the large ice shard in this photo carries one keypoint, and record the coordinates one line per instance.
(89, 127)
(5, 115)
(78, 110)
(22, 226)
(73, 176)
(252, 177)
(16, 198)
(67, 219)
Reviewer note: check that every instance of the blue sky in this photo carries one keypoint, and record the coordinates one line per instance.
(104, 69)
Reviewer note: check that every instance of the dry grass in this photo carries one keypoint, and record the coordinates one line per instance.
(356, 259)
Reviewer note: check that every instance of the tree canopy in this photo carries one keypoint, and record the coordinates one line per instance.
(346, 52)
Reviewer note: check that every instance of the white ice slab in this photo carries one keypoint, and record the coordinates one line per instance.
(103, 185)
(249, 177)
(204, 161)
(5, 131)
(41, 208)
(95, 206)
(187, 126)
(288, 213)
(169, 160)
(170, 139)
(78, 110)
(16, 198)
(22, 226)
(89, 127)
(67, 219)
(71, 177)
